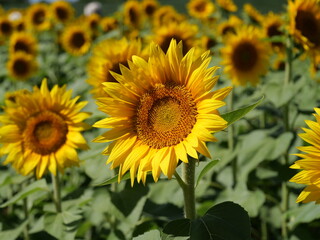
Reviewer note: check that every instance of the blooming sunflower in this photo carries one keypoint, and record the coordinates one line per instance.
(161, 111)
(42, 131)
(107, 55)
(305, 22)
(21, 66)
(166, 15)
(62, 11)
(108, 24)
(76, 40)
(23, 41)
(183, 31)
(149, 7)
(132, 14)
(272, 25)
(6, 27)
(245, 56)
(38, 17)
(201, 9)
(229, 26)
(254, 15)
(227, 5)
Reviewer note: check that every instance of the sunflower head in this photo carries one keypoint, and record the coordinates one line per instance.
(201, 9)
(149, 7)
(38, 17)
(245, 56)
(309, 162)
(44, 129)
(132, 14)
(227, 5)
(107, 57)
(229, 26)
(62, 11)
(21, 66)
(161, 111)
(23, 41)
(305, 22)
(76, 40)
(273, 25)
(166, 15)
(6, 27)
(108, 24)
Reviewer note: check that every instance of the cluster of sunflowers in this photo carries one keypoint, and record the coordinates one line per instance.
(151, 69)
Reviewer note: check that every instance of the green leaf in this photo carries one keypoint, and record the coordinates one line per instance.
(178, 227)
(206, 169)
(235, 115)
(39, 185)
(151, 235)
(113, 180)
(14, 233)
(305, 213)
(226, 220)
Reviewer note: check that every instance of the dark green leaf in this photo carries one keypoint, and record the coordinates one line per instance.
(179, 227)
(235, 115)
(209, 166)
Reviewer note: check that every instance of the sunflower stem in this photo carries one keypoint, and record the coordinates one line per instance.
(26, 215)
(56, 191)
(188, 179)
(231, 141)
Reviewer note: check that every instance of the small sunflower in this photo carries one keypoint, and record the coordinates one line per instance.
(11, 97)
(227, 5)
(200, 9)
(62, 11)
(272, 25)
(305, 22)
(309, 162)
(107, 55)
(149, 7)
(108, 24)
(161, 111)
(166, 15)
(132, 14)
(245, 56)
(23, 41)
(184, 32)
(6, 27)
(42, 131)
(22, 66)
(229, 26)
(38, 17)
(254, 15)
(76, 40)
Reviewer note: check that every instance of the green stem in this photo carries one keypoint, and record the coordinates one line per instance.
(56, 191)
(26, 215)
(187, 183)
(231, 141)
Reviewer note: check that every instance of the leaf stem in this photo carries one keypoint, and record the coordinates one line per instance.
(56, 191)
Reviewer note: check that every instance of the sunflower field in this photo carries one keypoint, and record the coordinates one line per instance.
(160, 120)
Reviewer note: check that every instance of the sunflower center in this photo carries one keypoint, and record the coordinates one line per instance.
(245, 56)
(20, 67)
(20, 27)
(273, 30)
(45, 132)
(6, 28)
(308, 25)
(62, 14)
(21, 46)
(150, 9)
(165, 116)
(228, 29)
(38, 17)
(200, 7)
(133, 16)
(77, 40)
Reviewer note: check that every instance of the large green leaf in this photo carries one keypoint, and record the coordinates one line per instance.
(235, 115)
(14, 233)
(151, 235)
(39, 185)
(178, 227)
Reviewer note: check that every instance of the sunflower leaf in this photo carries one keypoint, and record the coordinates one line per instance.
(207, 167)
(178, 227)
(113, 180)
(235, 115)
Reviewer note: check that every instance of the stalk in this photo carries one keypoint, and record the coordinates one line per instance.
(234, 163)
(56, 191)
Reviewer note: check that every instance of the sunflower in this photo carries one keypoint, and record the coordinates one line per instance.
(229, 26)
(21, 66)
(76, 40)
(227, 5)
(201, 9)
(6, 27)
(23, 41)
(245, 56)
(161, 111)
(42, 131)
(305, 22)
(272, 25)
(107, 55)
(11, 97)
(184, 32)
(166, 15)
(132, 14)
(108, 24)
(149, 7)
(62, 11)
(254, 15)
(38, 17)
(309, 162)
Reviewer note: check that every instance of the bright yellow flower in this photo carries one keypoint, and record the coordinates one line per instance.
(41, 131)
(229, 26)
(6, 27)
(149, 7)
(201, 9)
(108, 24)
(62, 11)
(160, 111)
(245, 56)
(21, 66)
(38, 17)
(227, 5)
(272, 25)
(23, 41)
(133, 14)
(166, 15)
(309, 162)
(254, 15)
